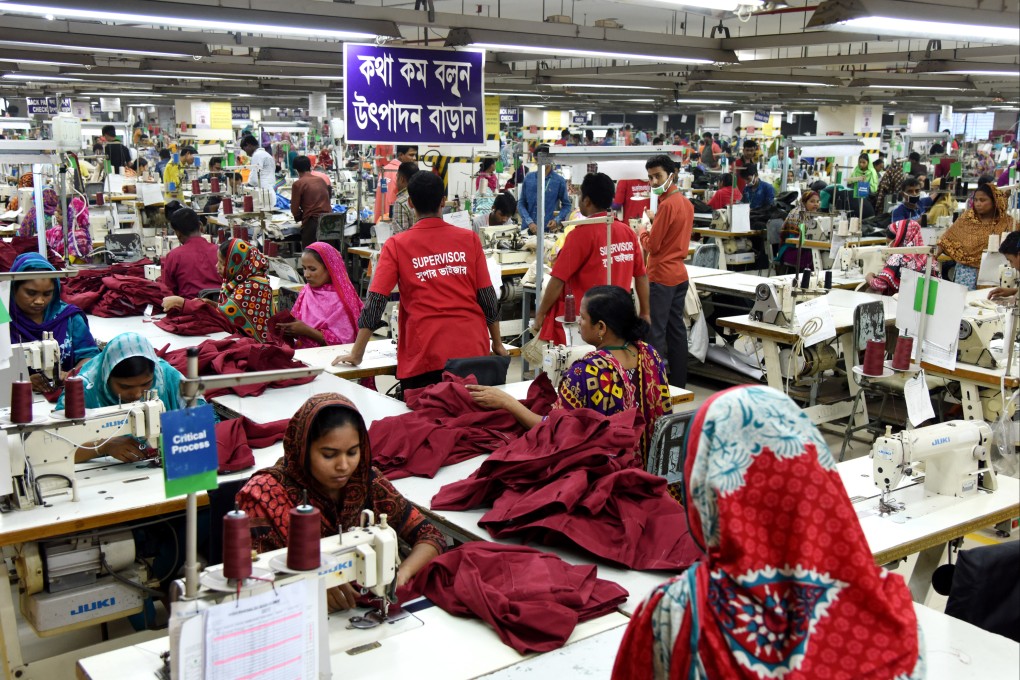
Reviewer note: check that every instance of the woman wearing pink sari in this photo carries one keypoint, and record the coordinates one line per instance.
(328, 307)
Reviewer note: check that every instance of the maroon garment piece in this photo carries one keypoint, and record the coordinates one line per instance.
(196, 317)
(235, 439)
(274, 333)
(24, 244)
(446, 426)
(237, 354)
(532, 599)
(574, 478)
(114, 291)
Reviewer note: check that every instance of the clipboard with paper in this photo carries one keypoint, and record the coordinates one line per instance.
(931, 310)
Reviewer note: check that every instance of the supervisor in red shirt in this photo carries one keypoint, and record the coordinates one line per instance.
(581, 264)
(632, 196)
(667, 245)
(448, 307)
(726, 195)
(189, 268)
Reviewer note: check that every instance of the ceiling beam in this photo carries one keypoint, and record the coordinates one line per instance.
(54, 39)
(761, 42)
(992, 51)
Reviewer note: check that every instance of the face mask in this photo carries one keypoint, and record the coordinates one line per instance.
(912, 200)
(660, 190)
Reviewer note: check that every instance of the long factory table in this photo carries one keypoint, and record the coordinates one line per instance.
(380, 359)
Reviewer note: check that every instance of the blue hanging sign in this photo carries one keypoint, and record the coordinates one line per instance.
(863, 189)
(188, 444)
(406, 95)
(240, 112)
(509, 114)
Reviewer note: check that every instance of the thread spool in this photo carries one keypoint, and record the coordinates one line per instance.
(901, 356)
(249, 203)
(74, 398)
(828, 279)
(228, 206)
(196, 186)
(570, 308)
(805, 278)
(215, 182)
(21, 401)
(303, 538)
(272, 249)
(100, 198)
(874, 358)
(241, 233)
(236, 545)
(993, 243)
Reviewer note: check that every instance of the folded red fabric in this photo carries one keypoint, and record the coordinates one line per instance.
(9, 251)
(114, 291)
(273, 325)
(533, 600)
(235, 439)
(237, 354)
(574, 478)
(446, 426)
(196, 317)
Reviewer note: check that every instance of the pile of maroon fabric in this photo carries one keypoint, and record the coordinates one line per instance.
(446, 426)
(237, 354)
(575, 478)
(9, 251)
(235, 439)
(114, 291)
(532, 599)
(196, 317)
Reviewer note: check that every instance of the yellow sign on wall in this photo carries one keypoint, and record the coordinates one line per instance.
(491, 116)
(220, 117)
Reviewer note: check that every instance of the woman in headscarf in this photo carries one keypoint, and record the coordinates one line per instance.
(246, 297)
(968, 237)
(78, 237)
(122, 373)
(889, 184)
(864, 171)
(50, 204)
(985, 164)
(327, 462)
(623, 372)
(944, 205)
(36, 308)
(810, 202)
(788, 587)
(902, 234)
(328, 307)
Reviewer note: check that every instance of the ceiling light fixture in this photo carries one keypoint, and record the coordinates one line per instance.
(964, 68)
(89, 49)
(899, 18)
(605, 86)
(530, 49)
(715, 5)
(702, 101)
(28, 77)
(185, 22)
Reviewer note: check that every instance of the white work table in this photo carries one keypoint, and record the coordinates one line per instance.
(380, 359)
(106, 329)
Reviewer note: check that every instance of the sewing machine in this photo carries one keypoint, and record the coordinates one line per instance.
(558, 358)
(976, 336)
(42, 356)
(720, 220)
(1008, 276)
(954, 455)
(45, 450)
(366, 554)
(506, 242)
(773, 303)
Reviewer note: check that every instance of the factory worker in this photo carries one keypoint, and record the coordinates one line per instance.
(904, 233)
(911, 206)
(446, 295)
(189, 268)
(504, 207)
(36, 308)
(122, 373)
(328, 307)
(557, 201)
(788, 582)
(262, 167)
(327, 455)
(967, 239)
(1010, 247)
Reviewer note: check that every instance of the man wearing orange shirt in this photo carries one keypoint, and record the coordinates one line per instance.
(666, 245)
(383, 200)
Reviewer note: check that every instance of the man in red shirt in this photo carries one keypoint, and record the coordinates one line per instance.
(726, 195)
(748, 154)
(446, 295)
(667, 245)
(581, 263)
(632, 196)
(383, 201)
(189, 268)
(309, 200)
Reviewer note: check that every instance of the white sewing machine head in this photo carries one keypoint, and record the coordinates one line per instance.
(773, 303)
(720, 220)
(39, 355)
(863, 259)
(976, 336)
(558, 358)
(955, 457)
(42, 454)
(505, 236)
(1008, 276)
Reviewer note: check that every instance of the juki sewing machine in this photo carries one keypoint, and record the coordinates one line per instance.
(720, 220)
(1008, 276)
(42, 356)
(42, 453)
(507, 242)
(773, 303)
(954, 456)
(871, 259)
(976, 336)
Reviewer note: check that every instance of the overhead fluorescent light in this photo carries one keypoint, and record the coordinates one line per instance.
(184, 22)
(899, 18)
(103, 50)
(39, 62)
(964, 68)
(716, 5)
(640, 101)
(604, 86)
(28, 77)
(702, 101)
(644, 111)
(907, 86)
(890, 84)
(532, 49)
(160, 76)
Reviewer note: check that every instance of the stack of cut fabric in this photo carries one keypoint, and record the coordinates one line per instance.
(114, 291)
(237, 354)
(575, 478)
(446, 426)
(235, 439)
(10, 249)
(196, 317)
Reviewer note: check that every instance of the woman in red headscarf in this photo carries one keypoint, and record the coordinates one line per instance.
(328, 307)
(788, 587)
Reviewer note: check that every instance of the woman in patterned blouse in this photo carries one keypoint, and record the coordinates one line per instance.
(622, 372)
(326, 456)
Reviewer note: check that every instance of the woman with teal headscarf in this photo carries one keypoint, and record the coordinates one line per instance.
(122, 373)
(864, 171)
(36, 308)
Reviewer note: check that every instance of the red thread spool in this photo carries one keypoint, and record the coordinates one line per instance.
(21, 402)
(303, 541)
(74, 398)
(228, 206)
(569, 308)
(196, 186)
(241, 233)
(272, 249)
(249, 203)
(236, 545)
(100, 199)
(215, 182)
(874, 358)
(901, 356)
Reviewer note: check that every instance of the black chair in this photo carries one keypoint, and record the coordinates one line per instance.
(985, 588)
(487, 370)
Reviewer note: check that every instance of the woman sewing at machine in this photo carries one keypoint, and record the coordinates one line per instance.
(1010, 247)
(122, 373)
(902, 234)
(327, 457)
(787, 583)
(246, 298)
(622, 372)
(327, 309)
(944, 205)
(864, 171)
(968, 237)
(36, 308)
(810, 201)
